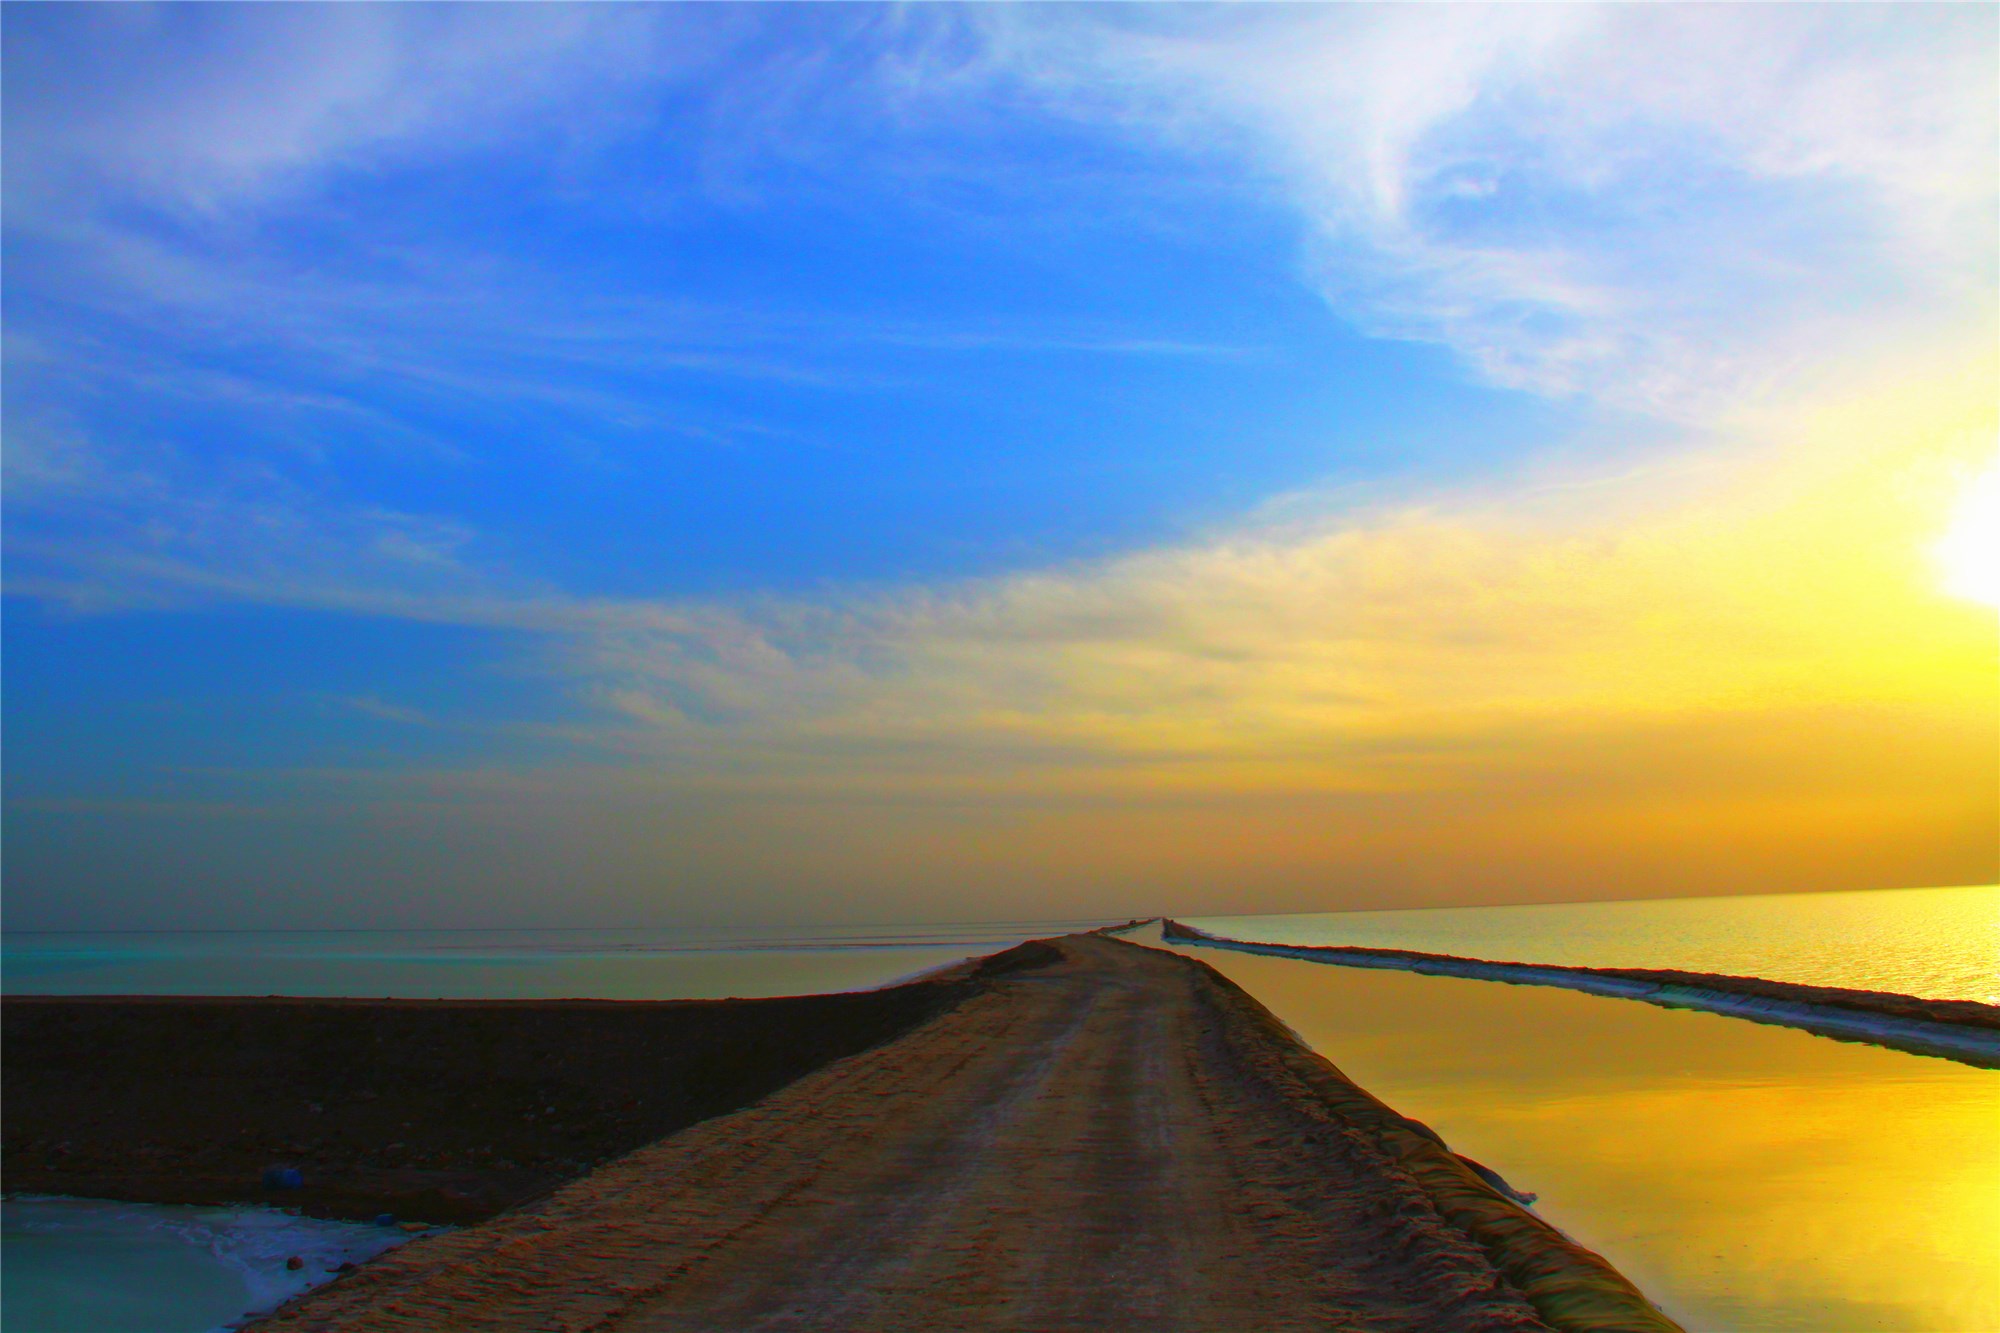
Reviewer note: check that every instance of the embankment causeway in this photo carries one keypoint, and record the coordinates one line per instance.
(1077, 1133)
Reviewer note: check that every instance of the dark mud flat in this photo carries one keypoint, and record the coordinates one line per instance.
(1961, 1030)
(1094, 1136)
(432, 1110)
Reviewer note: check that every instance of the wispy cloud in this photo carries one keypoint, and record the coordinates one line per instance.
(1743, 676)
(1747, 220)
(1665, 207)
(369, 706)
(1387, 637)
(200, 112)
(1669, 207)
(173, 211)
(487, 336)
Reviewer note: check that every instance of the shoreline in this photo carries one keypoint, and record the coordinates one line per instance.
(1962, 1030)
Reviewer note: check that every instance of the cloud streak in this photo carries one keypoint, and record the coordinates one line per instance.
(1665, 207)
(1724, 667)
(200, 113)
(1764, 575)
(1745, 680)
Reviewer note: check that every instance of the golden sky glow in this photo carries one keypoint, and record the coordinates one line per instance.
(1715, 671)
(651, 463)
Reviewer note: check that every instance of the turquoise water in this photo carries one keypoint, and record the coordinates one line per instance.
(1939, 943)
(657, 964)
(89, 1266)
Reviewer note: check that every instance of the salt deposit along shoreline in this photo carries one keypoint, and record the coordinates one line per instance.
(1961, 1030)
(1095, 1135)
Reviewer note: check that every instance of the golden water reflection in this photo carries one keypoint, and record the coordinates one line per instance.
(1746, 1177)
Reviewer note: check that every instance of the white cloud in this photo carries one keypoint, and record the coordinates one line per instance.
(1670, 207)
(199, 110)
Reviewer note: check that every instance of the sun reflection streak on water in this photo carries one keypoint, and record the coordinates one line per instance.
(1941, 943)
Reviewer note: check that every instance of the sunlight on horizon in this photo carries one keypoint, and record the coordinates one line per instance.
(1969, 552)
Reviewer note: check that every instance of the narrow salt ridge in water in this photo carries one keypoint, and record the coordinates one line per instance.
(1951, 1041)
(1932, 943)
(113, 1267)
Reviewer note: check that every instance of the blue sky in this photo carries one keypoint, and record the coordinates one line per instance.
(426, 422)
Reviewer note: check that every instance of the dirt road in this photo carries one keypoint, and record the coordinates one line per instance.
(1103, 1137)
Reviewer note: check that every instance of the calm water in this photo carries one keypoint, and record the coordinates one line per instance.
(1746, 1177)
(84, 1266)
(1941, 943)
(659, 964)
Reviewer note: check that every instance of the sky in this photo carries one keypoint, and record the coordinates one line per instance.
(586, 465)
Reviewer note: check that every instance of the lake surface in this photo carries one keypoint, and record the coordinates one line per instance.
(87, 1266)
(656, 964)
(1746, 1177)
(1940, 943)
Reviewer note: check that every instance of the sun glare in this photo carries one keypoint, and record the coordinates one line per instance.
(1970, 548)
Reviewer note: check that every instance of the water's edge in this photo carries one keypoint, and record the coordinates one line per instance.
(1574, 1288)
(1961, 1030)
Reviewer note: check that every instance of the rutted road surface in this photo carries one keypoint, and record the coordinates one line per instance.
(1102, 1136)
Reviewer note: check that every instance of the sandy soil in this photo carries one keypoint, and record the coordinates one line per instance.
(1102, 1137)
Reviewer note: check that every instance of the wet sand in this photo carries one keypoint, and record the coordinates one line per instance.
(1096, 1136)
(1962, 1030)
